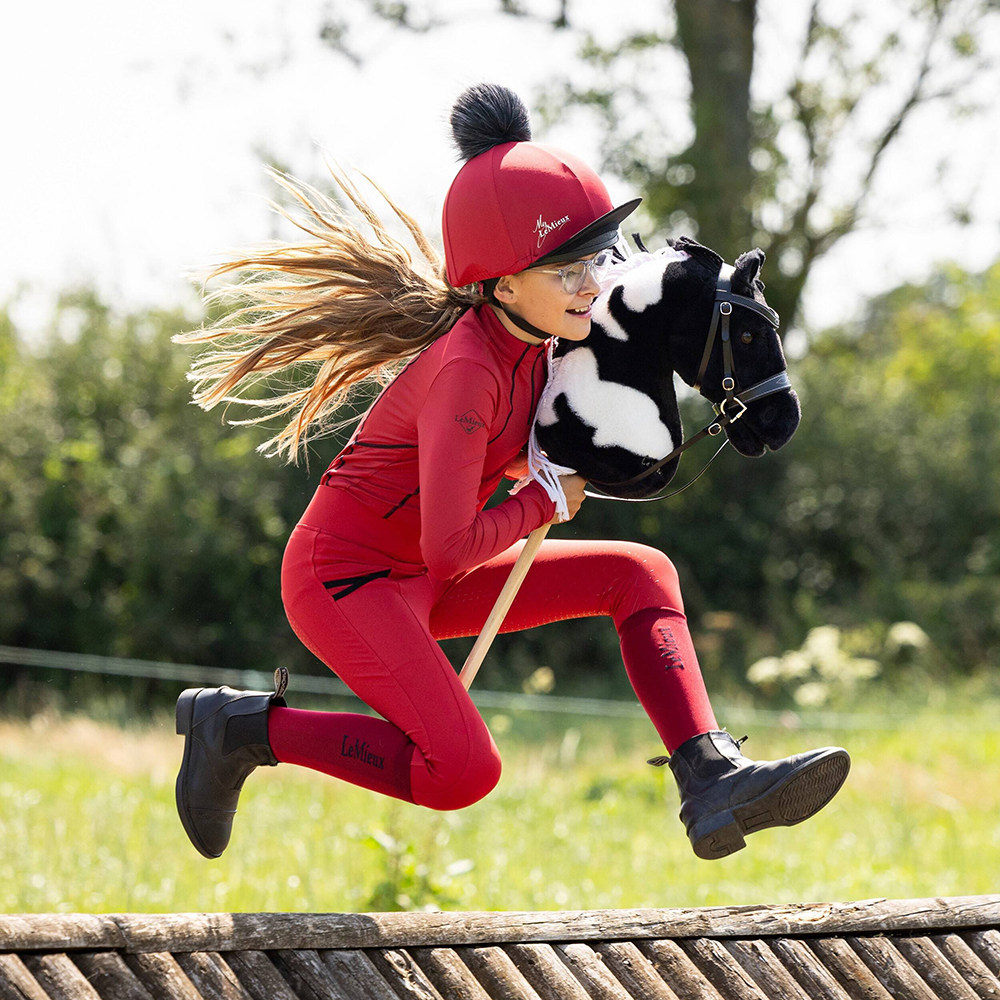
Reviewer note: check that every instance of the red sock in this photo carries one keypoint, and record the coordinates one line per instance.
(365, 751)
(661, 664)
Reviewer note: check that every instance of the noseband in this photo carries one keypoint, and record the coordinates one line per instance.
(730, 409)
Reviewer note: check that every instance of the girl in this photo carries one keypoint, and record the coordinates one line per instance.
(395, 549)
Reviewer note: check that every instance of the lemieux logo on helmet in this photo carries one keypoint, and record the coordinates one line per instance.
(543, 228)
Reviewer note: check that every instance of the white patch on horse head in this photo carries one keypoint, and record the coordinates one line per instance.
(641, 278)
(619, 414)
(602, 315)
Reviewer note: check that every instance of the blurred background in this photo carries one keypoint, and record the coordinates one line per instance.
(847, 587)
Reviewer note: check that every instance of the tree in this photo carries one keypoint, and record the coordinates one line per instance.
(757, 170)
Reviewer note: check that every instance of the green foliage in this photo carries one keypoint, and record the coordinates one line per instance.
(820, 667)
(890, 504)
(408, 881)
(132, 523)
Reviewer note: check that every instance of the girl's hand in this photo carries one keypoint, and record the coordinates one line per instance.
(518, 466)
(573, 486)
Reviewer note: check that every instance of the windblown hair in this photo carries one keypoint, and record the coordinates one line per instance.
(328, 315)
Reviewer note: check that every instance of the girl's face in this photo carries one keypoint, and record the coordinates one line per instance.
(538, 297)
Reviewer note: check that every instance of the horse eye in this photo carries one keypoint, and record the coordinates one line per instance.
(747, 337)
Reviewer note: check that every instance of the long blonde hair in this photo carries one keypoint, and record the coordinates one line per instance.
(345, 309)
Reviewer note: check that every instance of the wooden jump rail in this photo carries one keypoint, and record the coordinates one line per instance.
(920, 949)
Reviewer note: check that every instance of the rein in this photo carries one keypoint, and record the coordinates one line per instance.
(730, 409)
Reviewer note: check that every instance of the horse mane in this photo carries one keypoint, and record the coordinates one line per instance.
(703, 254)
(714, 262)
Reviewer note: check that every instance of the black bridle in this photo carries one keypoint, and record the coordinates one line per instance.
(730, 409)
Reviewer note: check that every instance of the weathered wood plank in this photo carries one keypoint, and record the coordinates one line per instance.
(259, 976)
(495, 969)
(890, 967)
(58, 931)
(307, 974)
(765, 969)
(843, 961)
(934, 968)
(211, 975)
(683, 976)
(808, 970)
(381, 930)
(107, 972)
(969, 965)
(722, 970)
(588, 966)
(60, 978)
(986, 944)
(546, 972)
(448, 973)
(162, 976)
(16, 982)
(634, 971)
(407, 978)
(309, 931)
(360, 978)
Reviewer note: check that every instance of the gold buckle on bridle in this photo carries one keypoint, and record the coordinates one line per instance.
(739, 402)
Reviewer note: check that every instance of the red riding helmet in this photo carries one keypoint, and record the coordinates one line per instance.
(515, 202)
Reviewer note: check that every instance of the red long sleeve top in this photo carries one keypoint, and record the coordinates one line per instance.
(412, 482)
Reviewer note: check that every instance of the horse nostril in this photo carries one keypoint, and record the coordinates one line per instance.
(769, 415)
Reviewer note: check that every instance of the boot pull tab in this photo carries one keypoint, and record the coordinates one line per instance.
(658, 761)
(741, 741)
(280, 685)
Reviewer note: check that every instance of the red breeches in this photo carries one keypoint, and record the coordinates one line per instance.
(377, 630)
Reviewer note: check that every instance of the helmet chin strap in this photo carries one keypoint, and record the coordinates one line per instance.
(525, 325)
(520, 321)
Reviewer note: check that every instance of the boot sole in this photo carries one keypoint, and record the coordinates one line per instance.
(793, 800)
(184, 719)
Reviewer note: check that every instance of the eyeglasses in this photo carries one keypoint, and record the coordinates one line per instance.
(574, 275)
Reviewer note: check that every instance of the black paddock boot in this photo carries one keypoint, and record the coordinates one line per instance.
(725, 796)
(225, 738)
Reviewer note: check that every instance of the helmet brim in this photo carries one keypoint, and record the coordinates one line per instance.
(599, 235)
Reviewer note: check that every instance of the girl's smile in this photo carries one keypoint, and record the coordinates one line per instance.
(538, 296)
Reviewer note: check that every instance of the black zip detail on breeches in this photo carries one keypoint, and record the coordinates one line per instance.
(352, 583)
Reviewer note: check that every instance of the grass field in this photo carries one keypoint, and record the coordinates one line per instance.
(579, 821)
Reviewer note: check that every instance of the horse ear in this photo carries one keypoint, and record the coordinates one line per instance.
(748, 266)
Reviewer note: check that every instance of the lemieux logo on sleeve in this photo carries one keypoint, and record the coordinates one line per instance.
(471, 421)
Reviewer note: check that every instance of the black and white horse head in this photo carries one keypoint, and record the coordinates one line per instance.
(610, 408)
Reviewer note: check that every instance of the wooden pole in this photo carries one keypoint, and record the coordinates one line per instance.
(502, 606)
(138, 933)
